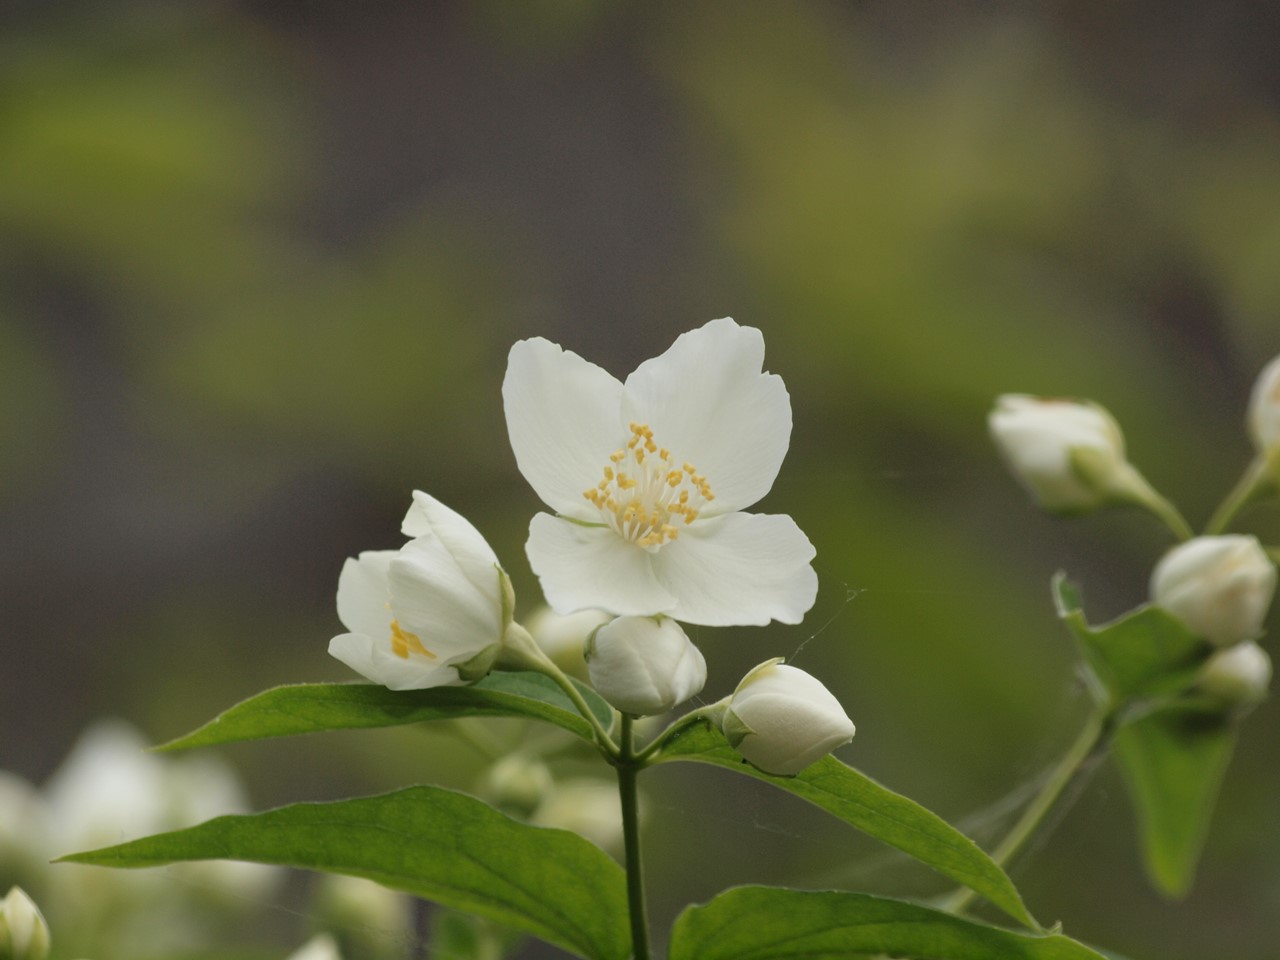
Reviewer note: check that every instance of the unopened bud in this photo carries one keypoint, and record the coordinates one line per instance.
(24, 935)
(1264, 412)
(1220, 587)
(517, 783)
(1238, 676)
(782, 719)
(644, 665)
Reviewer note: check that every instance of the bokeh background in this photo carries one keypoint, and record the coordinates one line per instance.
(261, 262)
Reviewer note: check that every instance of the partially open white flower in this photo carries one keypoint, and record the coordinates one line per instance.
(648, 479)
(1220, 587)
(1264, 411)
(430, 614)
(644, 665)
(783, 719)
(1238, 676)
(1069, 454)
(24, 935)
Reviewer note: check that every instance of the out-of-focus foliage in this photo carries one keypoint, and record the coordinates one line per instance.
(260, 264)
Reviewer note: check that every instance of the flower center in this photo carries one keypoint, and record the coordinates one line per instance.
(404, 643)
(644, 496)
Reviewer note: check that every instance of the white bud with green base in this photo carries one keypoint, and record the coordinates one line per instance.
(644, 665)
(1220, 587)
(24, 935)
(782, 719)
(1068, 454)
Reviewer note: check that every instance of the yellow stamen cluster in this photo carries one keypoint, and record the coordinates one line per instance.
(644, 493)
(404, 643)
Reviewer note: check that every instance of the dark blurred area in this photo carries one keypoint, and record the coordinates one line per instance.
(261, 263)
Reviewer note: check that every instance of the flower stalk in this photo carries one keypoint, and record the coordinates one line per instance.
(628, 766)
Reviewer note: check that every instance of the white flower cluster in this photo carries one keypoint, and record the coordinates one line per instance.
(1070, 455)
(648, 480)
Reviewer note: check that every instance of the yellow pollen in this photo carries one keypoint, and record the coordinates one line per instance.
(404, 643)
(648, 502)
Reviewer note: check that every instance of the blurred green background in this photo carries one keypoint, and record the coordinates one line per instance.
(261, 262)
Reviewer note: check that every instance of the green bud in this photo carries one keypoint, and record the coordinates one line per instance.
(24, 935)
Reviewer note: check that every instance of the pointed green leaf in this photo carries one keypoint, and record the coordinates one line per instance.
(769, 923)
(1173, 762)
(873, 809)
(1147, 652)
(432, 843)
(312, 707)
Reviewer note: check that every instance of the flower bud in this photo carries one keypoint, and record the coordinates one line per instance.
(1238, 676)
(320, 947)
(517, 783)
(588, 807)
(1264, 411)
(782, 719)
(644, 665)
(23, 933)
(1220, 587)
(1068, 454)
(562, 637)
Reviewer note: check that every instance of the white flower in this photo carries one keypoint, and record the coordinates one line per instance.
(644, 665)
(648, 479)
(24, 935)
(783, 719)
(430, 614)
(1068, 454)
(1220, 587)
(1238, 676)
(1264, 410)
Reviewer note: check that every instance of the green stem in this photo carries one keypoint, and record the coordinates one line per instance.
(1172, 517)
(1091, 739)
(628, 765)
(1251, 485)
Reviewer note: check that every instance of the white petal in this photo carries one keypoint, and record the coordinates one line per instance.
(564, 419)
(430, 518)
(435, 598)
(414, 672)
(584, 567)
(744, 569)
(364, 593)
(356, 651)
(709, 404)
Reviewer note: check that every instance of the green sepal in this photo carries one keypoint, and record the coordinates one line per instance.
(770, 923)
(1145, 653)
(314, 707)
(870, 807)
(734, 727)
(479, 666)
(430, 842)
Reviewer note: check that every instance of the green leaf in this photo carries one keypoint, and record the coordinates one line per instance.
(1148, 652)
(1173, 762)
(769, 923)
(312, 707)
(873, 809)
(432, 843)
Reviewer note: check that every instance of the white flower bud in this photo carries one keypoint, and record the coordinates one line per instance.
(1220, 587)
(563, 636)
(320, 947)
(1068, 454)
(1264, 410)
(783, 719)
(24, 935)
(1238, 676)
(644, 665)
(517, 783)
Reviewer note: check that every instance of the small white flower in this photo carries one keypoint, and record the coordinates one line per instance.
(1239, 676)
(1220, 587)
(24, 935)
(1068, 454)
(644, 665)
(1264, 410)
(783, 719)
(648, 479)
(430, 614)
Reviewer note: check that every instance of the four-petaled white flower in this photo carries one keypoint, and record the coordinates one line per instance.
(649, 478)
(430, 614)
